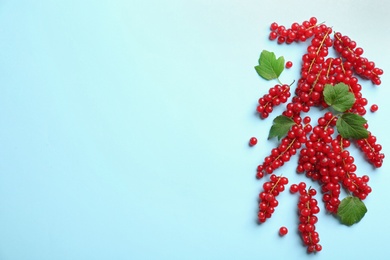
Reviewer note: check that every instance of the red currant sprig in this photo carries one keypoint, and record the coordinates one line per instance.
(307, 210)
(348, 49)
(276, 96)
(372, 150)
(267, 198)
(286, 149)
(296, 33)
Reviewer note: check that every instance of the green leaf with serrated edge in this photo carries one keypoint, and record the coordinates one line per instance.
(280, 127)
(351, 210)
(269, 67)
(339, 97)
(350, 125)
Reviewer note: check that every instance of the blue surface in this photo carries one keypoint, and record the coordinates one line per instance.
(125, 127)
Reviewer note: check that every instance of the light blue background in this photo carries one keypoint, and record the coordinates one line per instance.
(124, 130)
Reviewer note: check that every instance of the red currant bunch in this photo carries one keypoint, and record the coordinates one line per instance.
(372, 150)
(276, 96)
(296, 33)
(267, 198)
(287, 148)
(348, 49)
(307, 210)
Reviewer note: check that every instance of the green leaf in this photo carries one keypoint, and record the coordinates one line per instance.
(280, 127)
(351, 210)
(350, 125)
(269, 67)
(339, 97)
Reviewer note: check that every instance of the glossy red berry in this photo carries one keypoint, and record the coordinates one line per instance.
(289, 64)
(374, 108)
(294, 188)
(283, 231)
(253, 141)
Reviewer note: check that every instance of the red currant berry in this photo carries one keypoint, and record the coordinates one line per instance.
(294, 188)
(253, 141)
(313, 21)
(273, 36)
(301, 186)
(288, 64)
(374, 108)
(306, 120)
(283, 231)
(318, 247)
(274, 26)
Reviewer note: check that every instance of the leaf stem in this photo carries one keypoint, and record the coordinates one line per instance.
(279, 81)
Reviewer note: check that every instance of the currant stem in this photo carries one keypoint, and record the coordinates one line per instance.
(319, 48)
(276, 184)
(372, 149)
(288, 147)
(330, 66)
(315, 82)
(292, 83)
(311, 27)
(330, 121)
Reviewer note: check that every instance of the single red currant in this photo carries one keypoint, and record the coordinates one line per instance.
(253, 141)
(374, 108)
(294, 188)
(283, 231)
(288, 64)
(274, 26)
(306, 120)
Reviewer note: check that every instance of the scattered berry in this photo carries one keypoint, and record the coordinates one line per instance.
(283, 231)
(294, 188)
(253, 141)
(289, 64)
(374, 108)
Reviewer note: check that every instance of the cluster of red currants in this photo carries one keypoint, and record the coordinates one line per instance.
(372, 150)
(316, 71)
(267, 198)
(307, 210)
(287, 148)
(297, 32)
(362, 66)
(276, 95)
(323, 154)
(326, 160)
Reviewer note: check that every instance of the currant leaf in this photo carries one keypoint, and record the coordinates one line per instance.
(351, 210)
(269, 67)
(280, 127)
(339, 97)
(350, 125)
